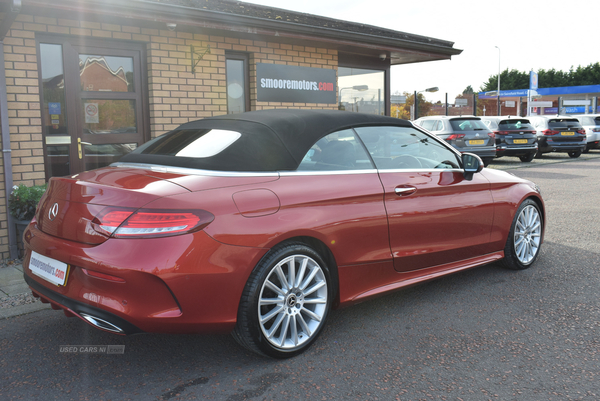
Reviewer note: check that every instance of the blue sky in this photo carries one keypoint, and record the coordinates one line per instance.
(530, 34)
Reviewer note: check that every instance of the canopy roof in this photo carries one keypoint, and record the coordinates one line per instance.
(271, 140)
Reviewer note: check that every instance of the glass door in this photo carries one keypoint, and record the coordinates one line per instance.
(92, 105)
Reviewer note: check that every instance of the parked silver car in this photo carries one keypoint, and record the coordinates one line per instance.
(591, 124)
(559, 134)
(515, 136)
(465, 133)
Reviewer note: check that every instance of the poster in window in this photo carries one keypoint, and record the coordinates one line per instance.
(91, 113)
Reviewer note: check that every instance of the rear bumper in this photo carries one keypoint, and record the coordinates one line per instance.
(183, 284)
(504, 150)
(483, 152)
(547, 145)
(97, 317)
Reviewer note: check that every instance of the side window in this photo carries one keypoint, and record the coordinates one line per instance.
(439, 126)
(406, 148)
(337, 151)
(427, 124)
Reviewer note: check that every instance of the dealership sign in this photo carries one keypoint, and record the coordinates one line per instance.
(292, 84)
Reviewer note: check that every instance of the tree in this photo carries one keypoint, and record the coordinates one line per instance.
(469, 90)
(403, 111)
(513, 79)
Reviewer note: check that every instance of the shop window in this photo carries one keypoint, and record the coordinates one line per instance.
(361, 90)
(238, 98)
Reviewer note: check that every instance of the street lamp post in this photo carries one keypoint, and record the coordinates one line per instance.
(499, 107)
(360, 88)
(434, 89)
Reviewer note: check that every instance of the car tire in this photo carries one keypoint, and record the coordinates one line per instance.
(285, 302)
(487, 161)
(575, 154)
(525, 237)
(538, 155)
(528, 157)
(586, 150)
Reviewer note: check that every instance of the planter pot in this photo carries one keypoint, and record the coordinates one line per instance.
(21, 226)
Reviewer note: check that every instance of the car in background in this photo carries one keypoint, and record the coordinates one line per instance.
(259, 223)
(464, 133)
(559, 134)
(591, 124)
(515, 136)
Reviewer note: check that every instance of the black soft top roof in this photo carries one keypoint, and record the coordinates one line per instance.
(272, 140)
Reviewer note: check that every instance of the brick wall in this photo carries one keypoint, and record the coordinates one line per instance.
(176, 95)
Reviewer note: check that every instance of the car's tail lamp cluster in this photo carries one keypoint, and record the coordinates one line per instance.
(454, 136)
(144, 223)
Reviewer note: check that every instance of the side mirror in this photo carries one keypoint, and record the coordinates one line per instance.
(471, 164)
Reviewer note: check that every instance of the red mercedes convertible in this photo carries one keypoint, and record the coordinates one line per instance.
(259, 223)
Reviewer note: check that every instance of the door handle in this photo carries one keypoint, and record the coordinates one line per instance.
(404, 191)
(79, 143)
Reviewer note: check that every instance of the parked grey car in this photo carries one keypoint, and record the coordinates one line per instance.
(591, 124)
(559, 134)
(465, 133)
(515, 136)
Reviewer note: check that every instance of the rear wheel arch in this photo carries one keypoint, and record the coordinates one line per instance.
(284, 327)
(319, 247)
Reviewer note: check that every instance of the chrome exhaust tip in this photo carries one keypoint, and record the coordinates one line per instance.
(101, 323)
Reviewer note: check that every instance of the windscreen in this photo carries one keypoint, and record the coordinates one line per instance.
(590, 120)
(515, 125)
(467, 125)
(563, 123)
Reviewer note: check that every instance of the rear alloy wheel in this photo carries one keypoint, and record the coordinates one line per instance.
(575, 154)
(528, 157)
(525, 237)
(285, 302)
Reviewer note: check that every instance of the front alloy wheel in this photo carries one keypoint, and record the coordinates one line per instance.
(525, 237)
(285, 303)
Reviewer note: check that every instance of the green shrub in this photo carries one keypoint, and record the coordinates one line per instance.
(23, 200)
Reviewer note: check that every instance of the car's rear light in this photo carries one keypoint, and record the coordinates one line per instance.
(103, 276)
(595, 129)
(550, 132)
(452, 137)
(502, 132)
(492, 135)
(148, 223)
(581, 131)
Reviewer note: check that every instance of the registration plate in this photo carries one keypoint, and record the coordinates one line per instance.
(49, 269)
(477, 142)
(567, 133)
(520, 141)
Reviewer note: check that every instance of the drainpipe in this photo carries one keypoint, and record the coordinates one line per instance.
(9, 18)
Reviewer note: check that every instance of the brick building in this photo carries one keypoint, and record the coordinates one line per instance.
(88, 80)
